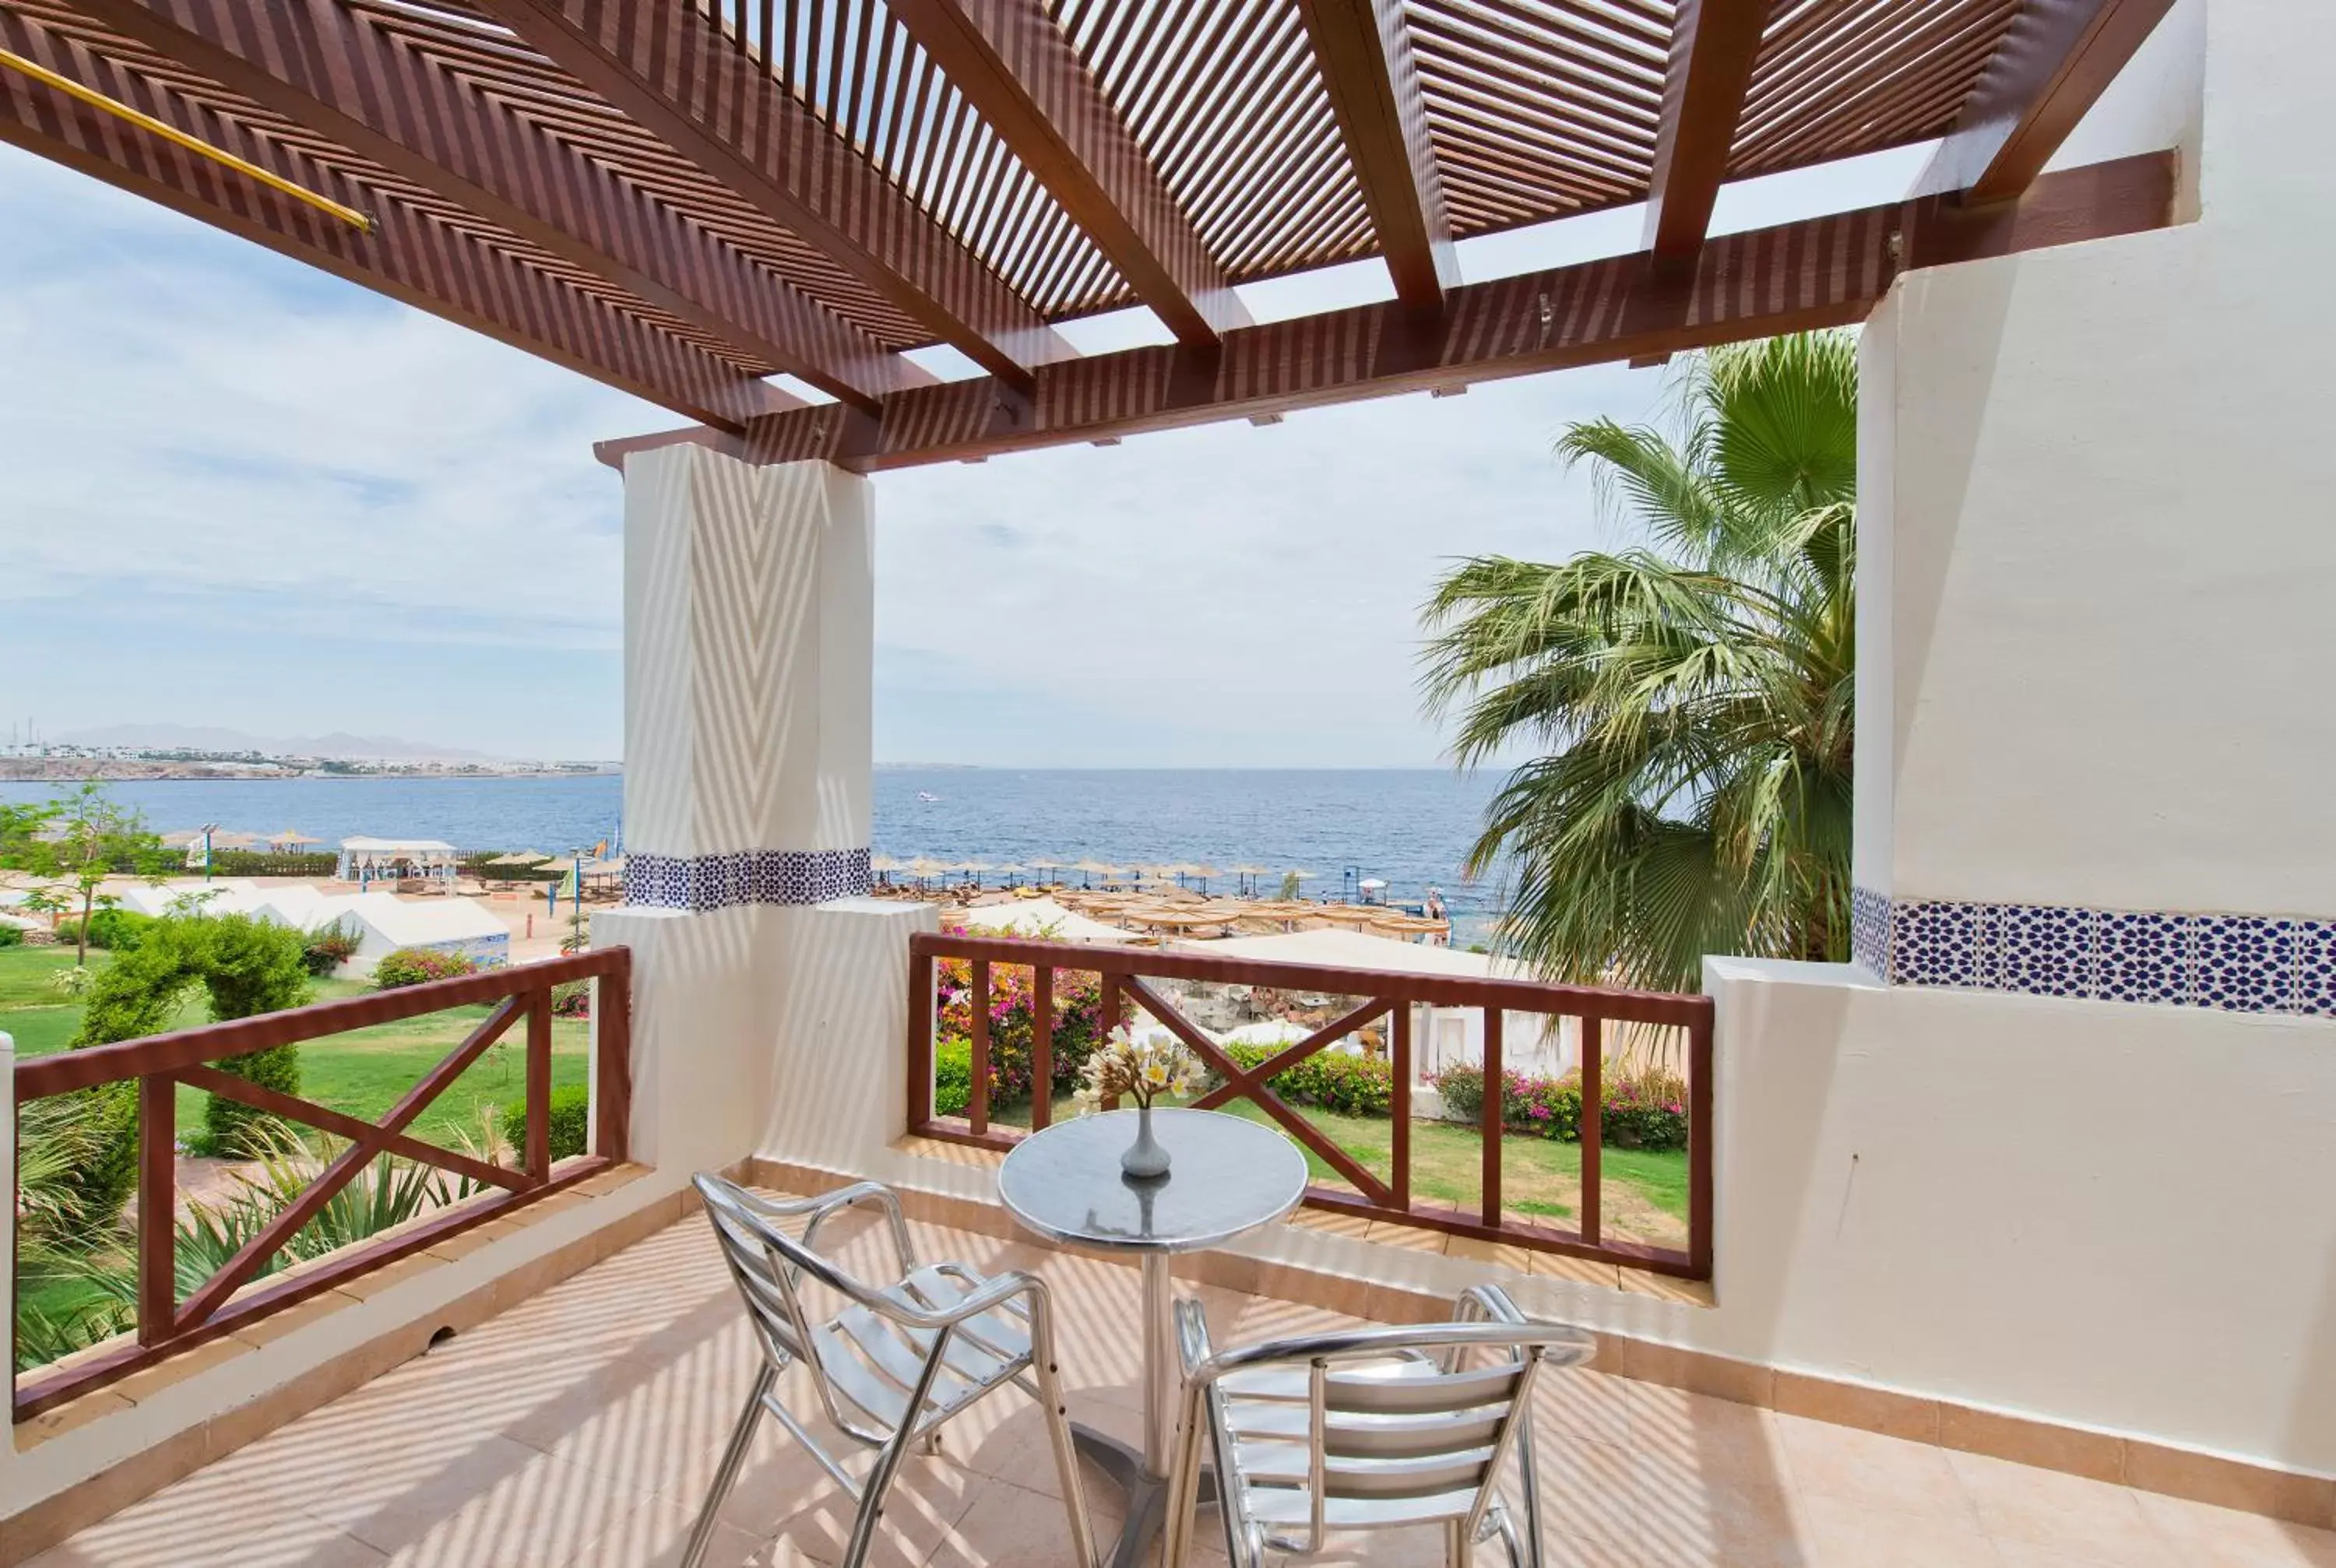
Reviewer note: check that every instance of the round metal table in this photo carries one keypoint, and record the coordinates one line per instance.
(1226, 1176)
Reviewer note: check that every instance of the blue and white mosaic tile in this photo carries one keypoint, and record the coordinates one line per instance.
(1939, 943)
(1869, 931)
(2046, 950)
(2315, 969)
(2242, 963)
(720, 881)
(2145, 957)
(2235, 963)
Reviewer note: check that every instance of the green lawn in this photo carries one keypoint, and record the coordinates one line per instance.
(362, 1073)
(1645, 1193)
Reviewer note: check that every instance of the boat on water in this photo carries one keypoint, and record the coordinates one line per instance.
(926, 797)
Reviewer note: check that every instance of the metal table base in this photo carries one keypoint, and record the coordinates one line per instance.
(1146, 1494)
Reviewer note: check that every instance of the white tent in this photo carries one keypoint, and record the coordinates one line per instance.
(1351, 949)
(1036, 917)
(384, 922)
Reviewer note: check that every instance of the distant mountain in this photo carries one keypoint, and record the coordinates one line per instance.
(211, 738)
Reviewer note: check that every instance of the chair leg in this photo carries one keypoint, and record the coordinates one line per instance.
(1456, 1545)
(725, 1475)
(1058, 1412)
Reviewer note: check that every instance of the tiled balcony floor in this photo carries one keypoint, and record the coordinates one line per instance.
(581, 1427)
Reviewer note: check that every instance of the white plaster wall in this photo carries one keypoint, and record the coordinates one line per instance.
(2103, 589)
(749, 637)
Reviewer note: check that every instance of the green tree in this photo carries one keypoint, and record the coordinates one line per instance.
(1691, 700)
(81, 836)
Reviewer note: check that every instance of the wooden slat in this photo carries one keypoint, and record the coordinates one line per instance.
(1713, 46)
(538, 1086)
(158, 1196)
(612, 1060)
(978, 1026)
(211, 1080)
(1014, 65)
(344, 1168)
(667, 67)
(45, 1388)
(1700, 1156)
(1365, 58)
(1488, 1116)
(1042, 1046)
(922, 1000)
(413, 255)
(315, 62)
(182, 1048)
(2052, 66)
(1795, 277)
(1399, 1105)
(1594, 1125)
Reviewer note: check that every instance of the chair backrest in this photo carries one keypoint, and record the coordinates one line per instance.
(1373, 1427)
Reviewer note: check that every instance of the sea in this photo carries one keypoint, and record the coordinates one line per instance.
(1408, 828)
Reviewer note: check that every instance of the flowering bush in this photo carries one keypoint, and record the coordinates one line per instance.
(1140, 1069)
(952, 1077)
(412, 965)
(1353, 1086)
(1641, 1110)
(1078, 1010)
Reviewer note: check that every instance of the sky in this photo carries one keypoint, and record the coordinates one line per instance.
(241, 493)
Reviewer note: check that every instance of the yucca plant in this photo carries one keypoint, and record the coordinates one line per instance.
(1691, 701)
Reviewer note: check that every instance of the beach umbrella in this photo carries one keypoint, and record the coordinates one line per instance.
(1247, 874)
(519, 858)
(920, 868)
(883, 866)
(1093, 868)
(1010, 870)
(289, 838)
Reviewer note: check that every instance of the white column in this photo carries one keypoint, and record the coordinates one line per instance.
(749, 616)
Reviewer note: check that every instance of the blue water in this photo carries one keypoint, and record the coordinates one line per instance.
(1408, 828)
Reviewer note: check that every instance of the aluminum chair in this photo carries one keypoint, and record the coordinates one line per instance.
(894, 1365)
(1366, 1429)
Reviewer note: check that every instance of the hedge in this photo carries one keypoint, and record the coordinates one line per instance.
(1645, 1111)
(571, 1119)
(115, 930)
(412, 965)
(11, 935)
(1335, 1080)
(952, 1077)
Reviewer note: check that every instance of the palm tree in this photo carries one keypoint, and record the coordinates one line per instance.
(1692, 697)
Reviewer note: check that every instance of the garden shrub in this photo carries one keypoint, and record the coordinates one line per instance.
(572, 999)
(115, 930)
(329, 946)
(1334, 1080)
(1078, 1007)
(1641, 1110)
(413, 966)
(952, 1077)
(11, 936)
(570, 1121)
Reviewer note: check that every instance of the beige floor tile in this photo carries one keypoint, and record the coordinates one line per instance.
(927, 1498)
(1693, 1442)
(655, 1535)
(1841, 1534)
(1007, 1526)
(2083, 1518)
(166, 1541)
(1695, 1526)
(2211, 1537)
(1872, 1471)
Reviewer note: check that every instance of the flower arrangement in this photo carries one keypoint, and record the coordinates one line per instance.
(1140, 1069)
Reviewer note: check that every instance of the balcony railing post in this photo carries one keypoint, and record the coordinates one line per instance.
(612, 1075)
(978, 1012)
(538, 1086)
(1107, 1011)
(158, 1133)
(1041, 1045)
(1699, 1144)
(1400, 1103)
(921, 1002)
(1593, 1123)
(1490, 1115)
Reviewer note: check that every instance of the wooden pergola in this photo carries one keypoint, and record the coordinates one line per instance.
(685, 198)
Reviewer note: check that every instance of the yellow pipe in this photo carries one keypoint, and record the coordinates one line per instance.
(348, 214)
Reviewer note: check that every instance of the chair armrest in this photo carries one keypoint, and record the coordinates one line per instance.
(1192, 1335)
(1000, 1289)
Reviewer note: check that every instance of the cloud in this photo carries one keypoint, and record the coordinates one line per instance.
(243, 493)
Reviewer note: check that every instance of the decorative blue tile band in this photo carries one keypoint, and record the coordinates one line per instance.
(2235, 963)
(747, 877)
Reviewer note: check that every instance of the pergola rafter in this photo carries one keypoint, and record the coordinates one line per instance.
(425, 258)
(329, 67)
(683, 197)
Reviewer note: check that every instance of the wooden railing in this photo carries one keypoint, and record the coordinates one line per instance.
(159, 1063)
(1124, 974)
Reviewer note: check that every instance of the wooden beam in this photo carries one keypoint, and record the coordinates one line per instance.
(412, 255)
(316, 63)
(1713, 46)
(1816, 273)
(1365, 58)
(1013, 66)
(2054, 62)
(665, 65)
